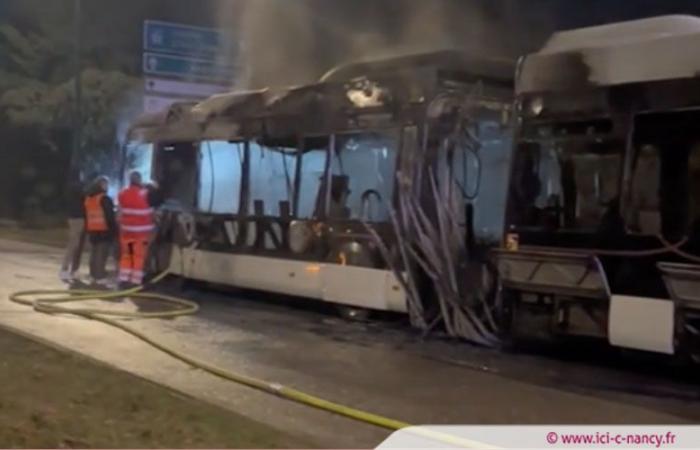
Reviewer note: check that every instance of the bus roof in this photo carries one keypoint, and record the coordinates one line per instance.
(175, 121)
(381, 88)
(646, 50)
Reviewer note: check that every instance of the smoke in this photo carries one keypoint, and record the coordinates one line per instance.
(296, 41)
(279, 41)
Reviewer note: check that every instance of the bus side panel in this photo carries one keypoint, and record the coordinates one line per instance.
(347, 285)
(642, 323)
(363, 287)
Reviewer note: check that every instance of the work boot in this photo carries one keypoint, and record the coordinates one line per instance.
(105, 284)
(65, 276)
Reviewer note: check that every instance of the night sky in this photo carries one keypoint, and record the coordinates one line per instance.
(293, 41)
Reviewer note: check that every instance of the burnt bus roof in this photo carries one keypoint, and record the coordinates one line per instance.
(340, 101)
(640, 51)
(174, 123)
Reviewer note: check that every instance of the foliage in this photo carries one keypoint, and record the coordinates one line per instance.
(43, 105)
(37, 111)
(38, 54)
(33, 99)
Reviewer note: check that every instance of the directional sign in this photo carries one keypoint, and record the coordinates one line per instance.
(185, 40)
(182, 88)
(188, 68)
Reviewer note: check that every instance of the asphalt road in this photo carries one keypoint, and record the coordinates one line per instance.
(381, 366)
(588, 368)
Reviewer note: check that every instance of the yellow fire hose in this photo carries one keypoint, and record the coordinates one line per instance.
(50, 301)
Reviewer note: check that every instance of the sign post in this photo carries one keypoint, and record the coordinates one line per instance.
(177, 39)
(183, 63)
(187, 68)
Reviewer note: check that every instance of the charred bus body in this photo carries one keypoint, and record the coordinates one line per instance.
(603, 203)
(276, 190)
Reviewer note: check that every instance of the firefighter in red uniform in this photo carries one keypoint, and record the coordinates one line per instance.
(136, 226)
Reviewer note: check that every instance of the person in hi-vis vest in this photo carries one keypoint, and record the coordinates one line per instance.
(136, 226)
(100, 225)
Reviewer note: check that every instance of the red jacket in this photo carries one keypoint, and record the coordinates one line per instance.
(135, 212)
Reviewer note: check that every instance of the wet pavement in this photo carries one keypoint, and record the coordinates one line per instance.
(381, 366)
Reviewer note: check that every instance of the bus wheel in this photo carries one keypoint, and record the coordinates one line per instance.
(354, 314)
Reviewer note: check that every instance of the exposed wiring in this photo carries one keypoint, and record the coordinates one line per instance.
(212, 189)
(465, 170)
(677, 249)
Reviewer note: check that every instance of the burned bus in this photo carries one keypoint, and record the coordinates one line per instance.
(602, 218)
(292, 190)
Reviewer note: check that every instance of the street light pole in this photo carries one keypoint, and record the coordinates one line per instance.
(76, 154)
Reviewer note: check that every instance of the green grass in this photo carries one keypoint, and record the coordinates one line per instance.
(51, 399)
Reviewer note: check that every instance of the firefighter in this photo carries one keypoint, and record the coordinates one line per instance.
(100, 225)
(136, 223)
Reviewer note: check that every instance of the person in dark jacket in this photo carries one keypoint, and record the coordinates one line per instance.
(76, 232)
(101, 228)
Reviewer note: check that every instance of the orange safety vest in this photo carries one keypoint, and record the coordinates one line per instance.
(95, 215)
(135, 214)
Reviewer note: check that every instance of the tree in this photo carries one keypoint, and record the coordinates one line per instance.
(36, 91)
(37, 105)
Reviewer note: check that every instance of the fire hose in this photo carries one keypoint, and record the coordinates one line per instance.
(52, 301)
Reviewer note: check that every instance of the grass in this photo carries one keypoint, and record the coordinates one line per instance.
(51, 399)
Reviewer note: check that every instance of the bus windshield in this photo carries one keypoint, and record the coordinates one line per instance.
(573, 185)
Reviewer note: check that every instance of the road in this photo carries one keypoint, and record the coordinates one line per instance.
(381, 366)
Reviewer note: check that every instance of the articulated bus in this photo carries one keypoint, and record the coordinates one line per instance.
(275, 189)
(583, 196)
(604, 199)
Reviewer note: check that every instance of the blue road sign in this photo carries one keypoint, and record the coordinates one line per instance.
(185, 40)
(187, 68)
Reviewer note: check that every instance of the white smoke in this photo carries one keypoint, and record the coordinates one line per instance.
(296, 41)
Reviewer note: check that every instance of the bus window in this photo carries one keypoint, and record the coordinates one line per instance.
(176, 169)
(220, 171)
(313, 166)
(646, 217)
(457, 177)
(575, 184)
(596, 176)
(362, 182)
(272, 172)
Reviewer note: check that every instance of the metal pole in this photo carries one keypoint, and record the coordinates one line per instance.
(76, 154)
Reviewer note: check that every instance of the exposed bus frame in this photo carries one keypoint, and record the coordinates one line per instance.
(342, 264)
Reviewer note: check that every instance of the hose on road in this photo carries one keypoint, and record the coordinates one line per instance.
(51, 301)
